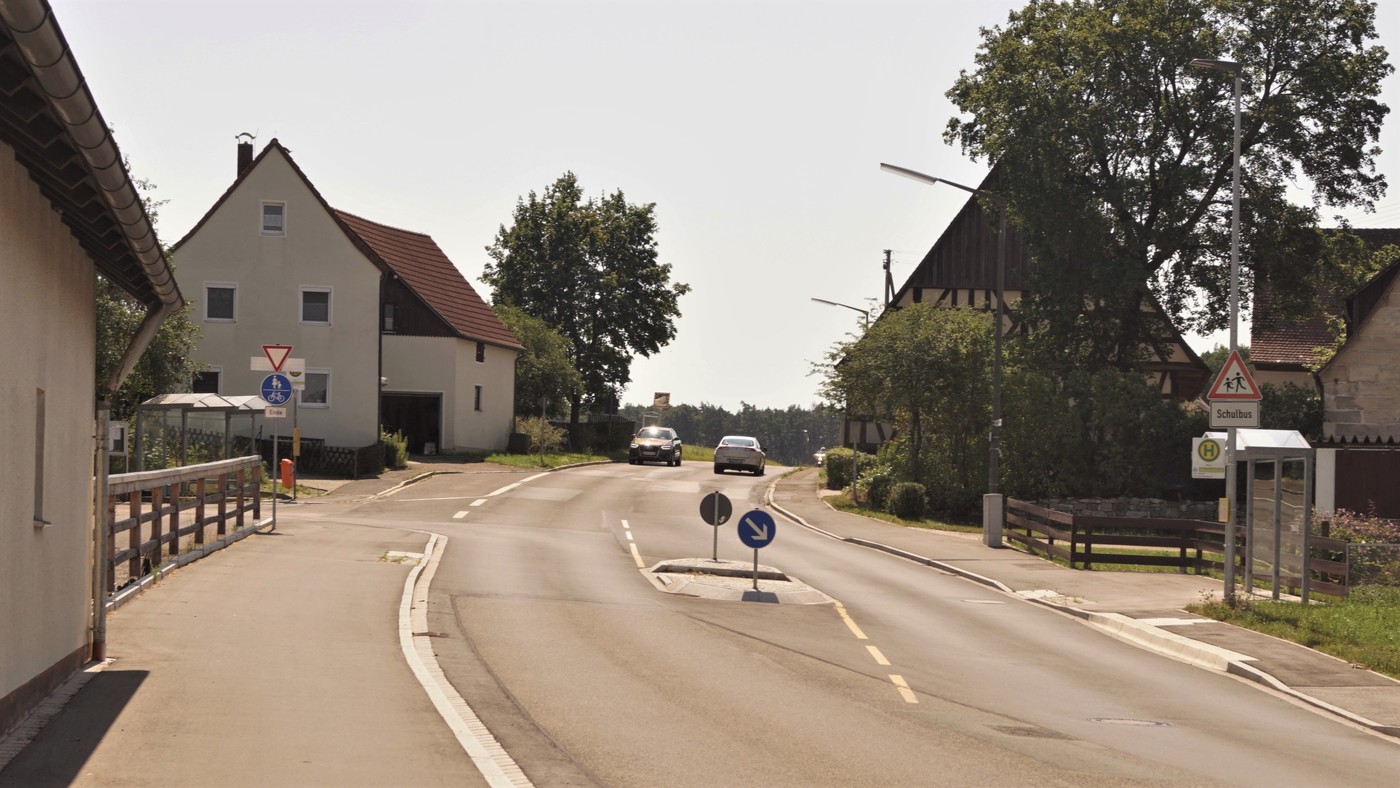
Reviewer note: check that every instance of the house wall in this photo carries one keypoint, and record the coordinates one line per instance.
(47, 314)
(270, 272)
(1276, 377)
(420, 365)
(1361, 387)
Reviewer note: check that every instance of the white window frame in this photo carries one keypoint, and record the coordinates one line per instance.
(301, 305)
(262, 219)
(225, 286)
(321, 405)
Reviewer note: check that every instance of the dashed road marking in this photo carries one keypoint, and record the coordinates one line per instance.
(904, 690)
(637, 556)
(460, 515)
(879, 658)
(478, 501)
(850, 622)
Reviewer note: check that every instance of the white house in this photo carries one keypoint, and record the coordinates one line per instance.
(68, 211)
(391, 333)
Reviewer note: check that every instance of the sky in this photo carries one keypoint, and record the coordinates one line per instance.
(756, 127)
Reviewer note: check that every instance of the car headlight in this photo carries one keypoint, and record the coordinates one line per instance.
(633, 446)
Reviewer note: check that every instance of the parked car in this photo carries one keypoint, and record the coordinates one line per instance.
(655, 444)
(741, 453)
(820, 456)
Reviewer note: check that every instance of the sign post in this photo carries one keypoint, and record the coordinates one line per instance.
(276, 390)
(715, 509)
(1234, 402)
(757, 529)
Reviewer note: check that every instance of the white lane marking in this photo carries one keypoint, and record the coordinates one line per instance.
(445, 498)
(850, 622)
(460, 515)
(510, 487)
(478, 501)
(904, 690)
(494, 763)
(879, 658)
(629, 537)
(625, 525)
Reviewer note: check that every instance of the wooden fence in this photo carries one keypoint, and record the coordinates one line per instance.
(1199, 546)
(211, 497)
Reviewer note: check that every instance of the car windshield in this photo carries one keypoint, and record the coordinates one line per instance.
(737, 442)
(657, 432)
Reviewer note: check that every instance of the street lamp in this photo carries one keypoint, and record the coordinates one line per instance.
(994, 463)
(855, 447)
(864, 312)
(1233, 68)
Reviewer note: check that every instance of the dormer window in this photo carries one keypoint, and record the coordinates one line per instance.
(274, 218)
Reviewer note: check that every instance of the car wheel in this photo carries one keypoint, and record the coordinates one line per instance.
(758, 472)
(718, 469)
(678, 461)
(631, 461)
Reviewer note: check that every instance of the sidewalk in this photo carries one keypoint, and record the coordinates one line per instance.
(1145, 608)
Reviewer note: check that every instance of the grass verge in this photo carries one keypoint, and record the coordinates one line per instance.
(545, 460)
(843, 503)
(1363, 629)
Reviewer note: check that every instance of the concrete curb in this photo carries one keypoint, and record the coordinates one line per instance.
(1117, 625)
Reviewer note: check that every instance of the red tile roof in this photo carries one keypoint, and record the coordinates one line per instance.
(423, 266)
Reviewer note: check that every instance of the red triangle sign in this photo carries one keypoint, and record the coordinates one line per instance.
(277, 355)
(1234, 382)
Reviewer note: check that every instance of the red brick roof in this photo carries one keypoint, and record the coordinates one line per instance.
(423, 266)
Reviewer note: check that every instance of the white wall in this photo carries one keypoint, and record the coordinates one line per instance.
(47, 318)
(448, 366)
(270, 272)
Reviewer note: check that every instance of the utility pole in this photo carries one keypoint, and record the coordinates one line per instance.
(889, 281)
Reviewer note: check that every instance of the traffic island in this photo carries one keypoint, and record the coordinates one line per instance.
(731, 580)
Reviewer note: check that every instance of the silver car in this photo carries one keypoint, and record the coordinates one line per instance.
(740, 453)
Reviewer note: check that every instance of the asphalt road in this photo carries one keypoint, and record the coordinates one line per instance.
(587, 673)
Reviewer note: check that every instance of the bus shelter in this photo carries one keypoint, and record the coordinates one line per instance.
(1279, 501)
(183, 429)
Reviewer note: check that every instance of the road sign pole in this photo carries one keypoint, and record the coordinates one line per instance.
(714, 549)
(755, 569)
(274, 475)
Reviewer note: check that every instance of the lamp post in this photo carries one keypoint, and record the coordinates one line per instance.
(855, 447)
(1233, 68)
(994, 440)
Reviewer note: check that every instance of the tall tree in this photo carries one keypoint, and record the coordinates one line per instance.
(588, 269)
(1117, 157)
(544, 369)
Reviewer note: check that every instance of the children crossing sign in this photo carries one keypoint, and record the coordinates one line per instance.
(1234, 396)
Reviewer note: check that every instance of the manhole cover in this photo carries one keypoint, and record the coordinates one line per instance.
(1130, 723)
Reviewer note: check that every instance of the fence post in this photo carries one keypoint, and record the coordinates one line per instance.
(199, 512)
(111, 583)
(133, 536)
(223, 504)
(1073, 540)
(257, 494)
(1088, 543)
(172, 530)
(242, 474)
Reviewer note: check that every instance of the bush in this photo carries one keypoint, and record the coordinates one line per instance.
(838, 468)
(907, 501)
(395, 450)
(545, 438)
(877, 490)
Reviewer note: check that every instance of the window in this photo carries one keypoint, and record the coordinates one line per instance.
(39, 457)
(480, 353)
(478, 398)
(316, 306)
(207, 382)
(273, 214)
(389, 318)
(220, 302)
(317, 393)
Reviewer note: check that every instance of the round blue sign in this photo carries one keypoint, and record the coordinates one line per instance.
(757, 528)
(276, 389)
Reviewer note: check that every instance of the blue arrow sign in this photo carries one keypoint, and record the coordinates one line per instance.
(276, 389)
(757, 528)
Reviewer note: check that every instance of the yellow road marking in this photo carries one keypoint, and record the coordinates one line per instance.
(850, 622)
(879, 658)
(904, 690)
(637, 556)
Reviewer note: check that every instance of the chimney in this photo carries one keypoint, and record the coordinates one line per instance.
(245, 154)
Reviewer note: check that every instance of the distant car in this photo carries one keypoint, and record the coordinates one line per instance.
(741, 453)
(820, 456)
(654, 444)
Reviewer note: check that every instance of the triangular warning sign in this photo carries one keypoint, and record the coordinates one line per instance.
(277, 355)
(1234, 382)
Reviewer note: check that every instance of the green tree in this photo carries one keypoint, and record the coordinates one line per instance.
(927, 368)
(544, 369)
(1216, 357)
(1117, 157)
(166, 365)
(588, 269)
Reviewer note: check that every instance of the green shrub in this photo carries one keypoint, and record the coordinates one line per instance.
(545, 438)
(395, 450)
(907, 501)
(838, 468)
(877, 490)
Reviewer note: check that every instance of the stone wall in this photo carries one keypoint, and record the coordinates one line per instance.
(1361, 387)
(1134, 507)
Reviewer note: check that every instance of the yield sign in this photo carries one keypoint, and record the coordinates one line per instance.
(277, 355)
(1234, 382)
